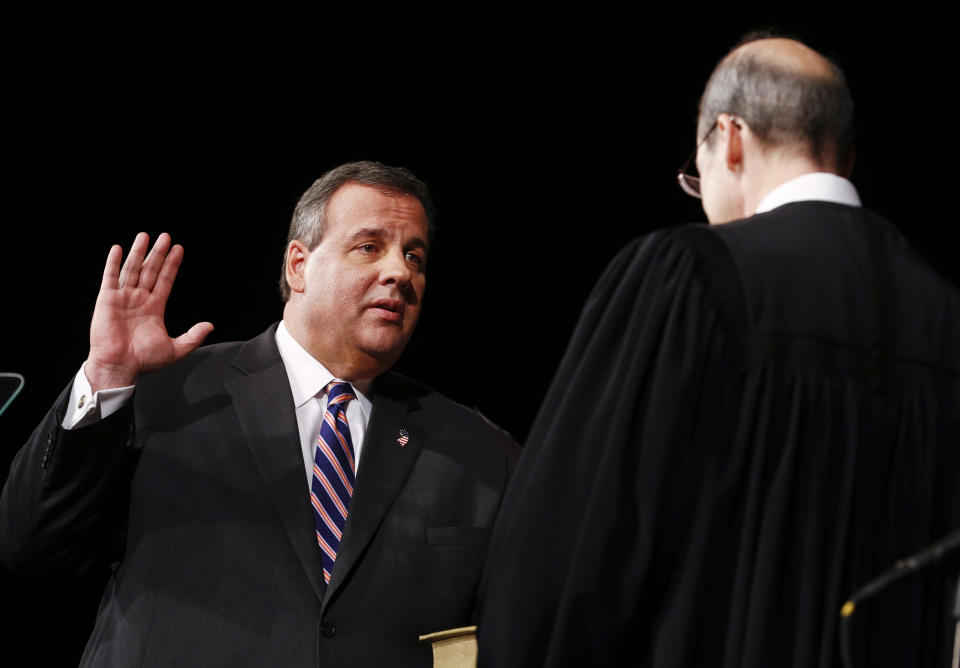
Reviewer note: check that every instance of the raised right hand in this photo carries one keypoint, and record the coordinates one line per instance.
(127, 332)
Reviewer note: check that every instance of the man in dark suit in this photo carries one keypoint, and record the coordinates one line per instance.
(753, 418)
(284, 501)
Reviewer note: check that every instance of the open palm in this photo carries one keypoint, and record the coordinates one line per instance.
(127, 332)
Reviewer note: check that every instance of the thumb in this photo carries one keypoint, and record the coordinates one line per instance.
(191, 339)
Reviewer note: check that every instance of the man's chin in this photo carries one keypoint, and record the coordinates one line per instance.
(384, 349)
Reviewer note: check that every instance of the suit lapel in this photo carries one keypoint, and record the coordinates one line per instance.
(383, 469)
(264, 405)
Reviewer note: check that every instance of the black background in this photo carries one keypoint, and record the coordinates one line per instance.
(549, 135)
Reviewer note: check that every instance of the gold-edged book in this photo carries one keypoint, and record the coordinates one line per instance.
(454, 648)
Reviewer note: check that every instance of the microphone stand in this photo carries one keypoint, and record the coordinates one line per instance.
(901, 569)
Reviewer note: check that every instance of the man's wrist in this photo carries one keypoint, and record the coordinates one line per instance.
(86, 406)
(107, 377)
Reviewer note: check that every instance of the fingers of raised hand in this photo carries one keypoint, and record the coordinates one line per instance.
(111, 270)
(130, 272)
(168, 272)
(141, 269)
(156, 259)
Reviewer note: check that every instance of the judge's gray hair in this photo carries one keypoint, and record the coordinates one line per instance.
(783, 107)
(309, 216)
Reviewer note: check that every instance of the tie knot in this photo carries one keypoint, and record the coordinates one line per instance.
(339, 392)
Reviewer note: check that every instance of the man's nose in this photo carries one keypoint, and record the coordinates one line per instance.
(396, 269)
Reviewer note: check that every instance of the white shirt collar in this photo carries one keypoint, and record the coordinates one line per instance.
(308, 377)
(819, 186)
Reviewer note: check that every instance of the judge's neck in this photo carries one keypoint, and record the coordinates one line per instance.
(772, 173)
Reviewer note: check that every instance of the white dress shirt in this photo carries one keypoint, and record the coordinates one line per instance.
(817, 186)
(86, 407)
(308, 381)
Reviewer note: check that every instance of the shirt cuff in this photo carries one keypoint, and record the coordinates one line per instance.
(86, 407)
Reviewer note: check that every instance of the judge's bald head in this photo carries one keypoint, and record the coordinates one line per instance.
(793, 98)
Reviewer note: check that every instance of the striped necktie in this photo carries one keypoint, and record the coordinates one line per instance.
(333, 474)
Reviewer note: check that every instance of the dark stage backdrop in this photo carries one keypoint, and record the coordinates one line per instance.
(550, 137)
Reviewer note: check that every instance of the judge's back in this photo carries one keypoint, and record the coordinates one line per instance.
(845, 276)
(751, 421)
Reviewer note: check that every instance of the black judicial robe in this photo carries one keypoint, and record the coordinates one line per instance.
(750, 422)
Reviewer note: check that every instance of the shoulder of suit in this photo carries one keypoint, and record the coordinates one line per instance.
(205, 370)
(439, 406)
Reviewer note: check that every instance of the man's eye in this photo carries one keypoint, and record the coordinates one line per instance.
(414, 258)
(368, 248)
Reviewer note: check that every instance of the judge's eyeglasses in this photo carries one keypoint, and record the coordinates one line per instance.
(689, 182)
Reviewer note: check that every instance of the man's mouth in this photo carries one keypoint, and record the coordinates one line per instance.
(390, 310)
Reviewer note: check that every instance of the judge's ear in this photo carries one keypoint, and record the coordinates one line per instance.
(295, 266)
(732, 130)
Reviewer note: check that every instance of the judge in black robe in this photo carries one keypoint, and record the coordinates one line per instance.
(751, 421)
(709, 476)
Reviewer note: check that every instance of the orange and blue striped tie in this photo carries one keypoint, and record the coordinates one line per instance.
(333, 474)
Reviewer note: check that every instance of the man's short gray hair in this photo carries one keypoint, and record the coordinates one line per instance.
(783, 107)
(309, 216)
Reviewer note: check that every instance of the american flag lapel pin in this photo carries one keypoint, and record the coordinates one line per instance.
(404, 437)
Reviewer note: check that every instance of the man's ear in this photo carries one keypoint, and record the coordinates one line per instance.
(731, 129)
(295, 266)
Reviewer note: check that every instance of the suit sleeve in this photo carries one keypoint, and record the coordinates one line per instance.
(65, 501)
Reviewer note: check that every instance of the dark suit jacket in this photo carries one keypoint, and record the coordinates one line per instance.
(198, 494)
(780, 422)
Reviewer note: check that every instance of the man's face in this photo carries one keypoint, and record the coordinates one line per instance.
(356, 296)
